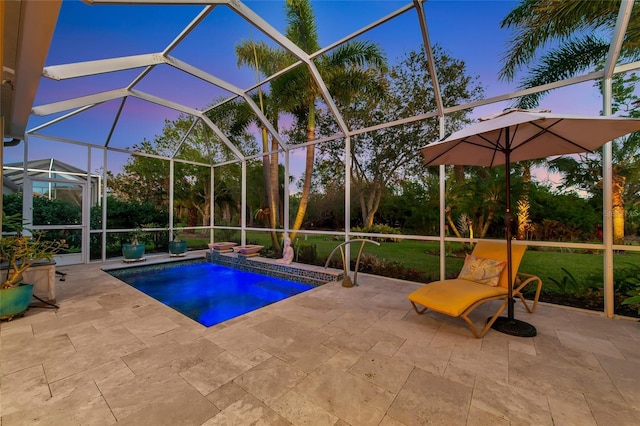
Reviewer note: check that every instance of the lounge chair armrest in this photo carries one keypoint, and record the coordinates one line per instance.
(522, 281)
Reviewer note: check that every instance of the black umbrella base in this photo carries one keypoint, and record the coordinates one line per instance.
(514, 327)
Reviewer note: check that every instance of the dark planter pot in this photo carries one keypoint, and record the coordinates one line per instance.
(132, 252)
(14, 301)
(177, 248)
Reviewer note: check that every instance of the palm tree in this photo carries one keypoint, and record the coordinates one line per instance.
(267, 61)
(347, 70)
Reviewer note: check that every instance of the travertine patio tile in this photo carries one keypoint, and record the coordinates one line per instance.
(581, 343)
(35, 352)
(270, 380)
(431, 399)
(84, 405)
(354, 400)
(15, 328)
(186, 334)
(478, 417)
(161, 390)
(481, 364)
(570, 409)
(59, 367)
(209, 375)
(409, 326)
(278, 327)
(312, 318)
(115, 340)
(247, 410)
(526, 346)
(290, 340)
(226, 395)
(159, 355)
(59, 326)
(560, 372)
(238, 339)
(349, 342)
(342, 361)
(390, 421)
(121, 300)
(459, 375)
(300, 411)
(385, 342)
(150, 326)
(628, 346)
(607, 413)
(23, 389)
(185, 408)
(625, 375)
(519, 405)
(354, 321)
(313, 358)
(381, 370)
(597, 325)
(421, 354)
(110, 374)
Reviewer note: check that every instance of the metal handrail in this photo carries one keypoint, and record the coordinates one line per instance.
(346, 281)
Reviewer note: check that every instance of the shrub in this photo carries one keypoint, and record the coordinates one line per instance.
(379, 229)
(306, 253)
(376, 266)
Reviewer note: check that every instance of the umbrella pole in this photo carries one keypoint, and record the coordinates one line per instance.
(510, 325)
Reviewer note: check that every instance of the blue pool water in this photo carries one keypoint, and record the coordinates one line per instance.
(209, 293)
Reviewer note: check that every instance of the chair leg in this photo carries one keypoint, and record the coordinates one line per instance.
(489, 323)
(419, 311)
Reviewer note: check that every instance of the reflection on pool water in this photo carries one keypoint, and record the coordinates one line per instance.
(206, 292)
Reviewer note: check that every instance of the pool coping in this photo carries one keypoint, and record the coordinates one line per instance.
(300, 272)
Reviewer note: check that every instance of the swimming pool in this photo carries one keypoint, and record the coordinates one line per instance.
(206, 292)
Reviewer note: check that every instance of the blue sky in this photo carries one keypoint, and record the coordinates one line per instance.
(467, 30)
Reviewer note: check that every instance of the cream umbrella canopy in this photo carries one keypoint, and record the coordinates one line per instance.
(517, 135)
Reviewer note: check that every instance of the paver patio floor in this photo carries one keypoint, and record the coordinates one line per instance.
(329, 356)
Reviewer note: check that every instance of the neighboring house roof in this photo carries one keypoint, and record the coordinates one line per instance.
(45, 168)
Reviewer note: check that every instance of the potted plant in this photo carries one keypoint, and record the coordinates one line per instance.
(133, 250)
(18, 252)
(177, 247)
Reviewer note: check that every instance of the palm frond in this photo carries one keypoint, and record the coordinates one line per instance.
(301, 26)
(535, 23)
(562, 63)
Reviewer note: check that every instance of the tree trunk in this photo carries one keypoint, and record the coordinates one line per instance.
(485, 228)
(524, 203)
(308, 172)
(373, 204)
(267, 170)
(452, 225)
(617, 192)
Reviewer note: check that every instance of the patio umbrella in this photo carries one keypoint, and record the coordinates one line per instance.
(518, 135)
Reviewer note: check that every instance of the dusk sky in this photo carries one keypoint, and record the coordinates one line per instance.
(467, 30)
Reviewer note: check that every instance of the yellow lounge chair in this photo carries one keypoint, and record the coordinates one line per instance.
(459, 297)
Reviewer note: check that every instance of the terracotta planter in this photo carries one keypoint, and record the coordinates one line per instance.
(14, 301)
